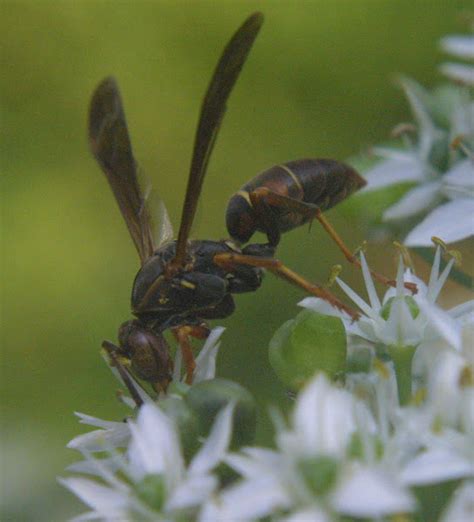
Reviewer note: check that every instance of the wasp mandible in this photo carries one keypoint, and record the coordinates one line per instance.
(183, 283)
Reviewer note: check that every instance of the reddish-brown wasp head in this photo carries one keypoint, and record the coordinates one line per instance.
(148, 353)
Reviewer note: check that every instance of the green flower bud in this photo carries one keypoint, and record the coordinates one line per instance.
(360, 361)
(320, 473)
(306, 344)
(207, 398)
(152, 490)
(186, 421)
(412, 306)
(356, 449)
(178, 388)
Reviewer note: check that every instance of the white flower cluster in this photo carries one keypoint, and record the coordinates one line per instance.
(349, 450)
(437, 156)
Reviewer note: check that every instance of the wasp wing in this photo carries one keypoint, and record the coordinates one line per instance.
(212, 111)
(162, 229)
(110, 144)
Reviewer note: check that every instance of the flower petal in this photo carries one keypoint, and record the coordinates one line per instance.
(458, 72)
(89, 467)
(436, 287)
(255, 462)
(321, 306)
(357, 299)
(194, 491)
(214, 448)
(445, 393)
(452, 221)
(414, 201)
(155, 446)
(370, 493)
(253, 499)
(442, 323)
(463, 312)
(462, 173)
(206, 360)
(109, 504)
(461, 46)
(369, 284)
(436, 465)
(95, 421)
(323, 419)
(101, 440)
(313, 514)
(419, 99)
(402, 169)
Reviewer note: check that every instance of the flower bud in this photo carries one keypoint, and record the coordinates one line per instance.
(207, 398)
(410, 302)
(186, 422)
(311, 342)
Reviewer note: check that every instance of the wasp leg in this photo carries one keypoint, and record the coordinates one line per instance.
(267, 219)
(229, 261)
(182, 335)
(115, 355)
(263, 197)
(353, 259)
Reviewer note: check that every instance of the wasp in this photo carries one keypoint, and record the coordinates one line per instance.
(183, 283)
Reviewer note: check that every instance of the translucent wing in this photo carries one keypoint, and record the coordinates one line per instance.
(110, 144)
(212, 111)
(162, 229)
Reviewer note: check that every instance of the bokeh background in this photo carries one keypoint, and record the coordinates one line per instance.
(319, 82)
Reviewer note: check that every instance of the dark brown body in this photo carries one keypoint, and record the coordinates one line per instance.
(320, 183)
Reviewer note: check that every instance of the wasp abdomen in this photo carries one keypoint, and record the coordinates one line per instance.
(320, 182)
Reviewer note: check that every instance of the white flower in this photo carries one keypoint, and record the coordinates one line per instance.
(154, 482)
(311, 475)
(443, 195)
(448, 374)
(111, 434)
(400, 319)
(324, 419)
(425, 451)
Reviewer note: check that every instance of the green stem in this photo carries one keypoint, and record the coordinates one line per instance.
(402, 357)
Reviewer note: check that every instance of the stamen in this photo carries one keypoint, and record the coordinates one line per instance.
(400, 282)
(404, 252)
(436, 289)
(333, 275)
(434, 274)
(361, 248)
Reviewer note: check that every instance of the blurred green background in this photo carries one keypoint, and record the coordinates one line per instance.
(318, 83)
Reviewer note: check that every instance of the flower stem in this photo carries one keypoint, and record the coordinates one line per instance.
(402, 357)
